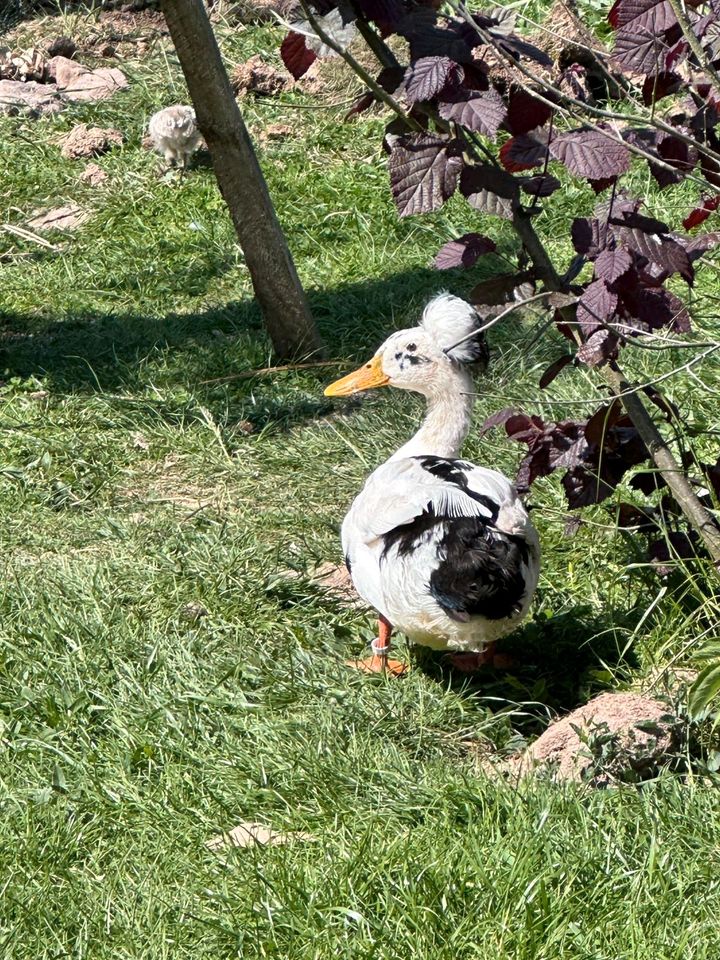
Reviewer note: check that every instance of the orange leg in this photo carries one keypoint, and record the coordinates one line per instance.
(379, 661)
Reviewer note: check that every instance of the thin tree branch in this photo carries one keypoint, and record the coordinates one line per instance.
(372, 84)
(585, 108)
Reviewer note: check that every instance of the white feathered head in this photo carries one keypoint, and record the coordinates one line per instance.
(423, 357)
(451, 322)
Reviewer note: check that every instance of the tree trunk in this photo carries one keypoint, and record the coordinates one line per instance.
(274, 278)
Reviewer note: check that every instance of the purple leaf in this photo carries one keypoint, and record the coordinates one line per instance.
(490, 190)
(599, 185)
(612, 264)
(587, 153)
(387, 12)
(700, 214)
(655, 15)
(424, 171)
(525, 112)
(677, 152)
(523, 428)
(430, 36)
(656, 308)
(589, 236)
(295, 55)
(640, 50)
(464, 251)
(596, 306)
(601, 422)
(659, 86)
(500, 289)
(554, 369)
(478, 112)
(600, 347)
(573, 83)
(658, 249)
(629, 217)
(392, 79)
(498, 419)
(543, 185)
(700, 244)
(426, 77)
(583, 487)
(523, 153)
(360, 104)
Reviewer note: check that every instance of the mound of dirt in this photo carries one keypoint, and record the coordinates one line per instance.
(93, 175)
(616, 737)
(32, 98)
(84, 141)
(60, 47)
(256, 76)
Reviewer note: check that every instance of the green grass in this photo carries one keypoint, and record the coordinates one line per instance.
(133, 730)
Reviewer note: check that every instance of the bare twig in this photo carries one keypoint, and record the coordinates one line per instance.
(29, 235)
(372, 84)
(511, 309)
(580, 110)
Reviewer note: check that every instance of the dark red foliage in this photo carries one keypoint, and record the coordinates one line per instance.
(424, 171)
(463, 252)
(595, 453)
(295, 55)
(591, 154)
(523, 153)
(525, 112)
(469, 122)
(700, 214)
(429, 76)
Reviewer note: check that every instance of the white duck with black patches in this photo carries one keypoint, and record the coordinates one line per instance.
(443, 549)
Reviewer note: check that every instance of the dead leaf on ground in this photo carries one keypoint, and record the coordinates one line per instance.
(248, 834)
(69, 217)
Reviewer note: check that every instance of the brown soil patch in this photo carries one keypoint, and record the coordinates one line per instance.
(84, 141)
(93, 175)
(256, 76)
(276, 131)
(166, 483)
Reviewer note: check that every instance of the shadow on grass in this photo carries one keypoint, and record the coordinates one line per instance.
(559, 663)
(202, 352)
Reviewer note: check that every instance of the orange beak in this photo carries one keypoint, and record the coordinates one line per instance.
(371, 375)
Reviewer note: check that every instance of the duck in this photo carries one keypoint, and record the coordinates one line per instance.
(443, 549)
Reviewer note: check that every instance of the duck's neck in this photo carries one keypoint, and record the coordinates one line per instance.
(447, 420)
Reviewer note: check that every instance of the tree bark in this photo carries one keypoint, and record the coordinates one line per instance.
(275, 281)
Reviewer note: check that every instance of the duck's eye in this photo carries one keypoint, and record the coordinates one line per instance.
(411, 347)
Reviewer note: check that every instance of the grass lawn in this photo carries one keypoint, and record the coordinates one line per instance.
(162, 681)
